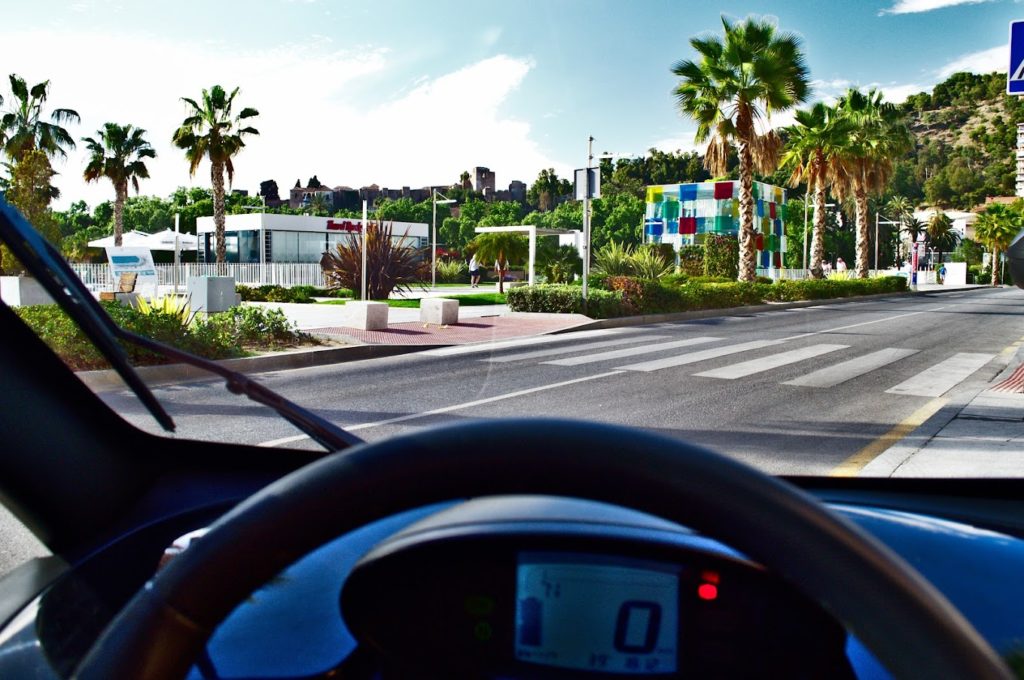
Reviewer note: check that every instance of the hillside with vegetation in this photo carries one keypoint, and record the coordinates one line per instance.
(965, 133)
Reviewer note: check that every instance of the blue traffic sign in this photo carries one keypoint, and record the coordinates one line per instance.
(1015, 74)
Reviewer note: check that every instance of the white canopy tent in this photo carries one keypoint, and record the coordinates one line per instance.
(161, 240)
(164, 240)
(129, 239)
(532, 232)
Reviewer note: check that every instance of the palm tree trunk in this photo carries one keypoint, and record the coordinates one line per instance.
(747, 265)
(861, 201)
(120, 195)
(818, 233)
(995, 266)
(217, 178)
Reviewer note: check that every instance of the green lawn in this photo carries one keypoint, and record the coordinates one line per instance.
(474, 300)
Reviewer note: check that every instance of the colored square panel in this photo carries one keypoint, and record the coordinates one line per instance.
(759, 241)
(687, 192)
(653, 227)
(671, 209)
(771, 210)
(760, 208)
(672, 227)
(688, 225)
(723, 224)
(735, 209)
(702, 224)
(654, 195)
(723, 190)
(777, 257)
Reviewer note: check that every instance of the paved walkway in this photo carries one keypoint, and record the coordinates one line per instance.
(982, 435)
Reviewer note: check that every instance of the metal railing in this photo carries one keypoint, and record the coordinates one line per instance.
(97, 275)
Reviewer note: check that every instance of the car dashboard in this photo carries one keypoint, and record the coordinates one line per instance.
(544, 587)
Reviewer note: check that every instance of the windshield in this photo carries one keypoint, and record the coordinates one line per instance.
(778, 231)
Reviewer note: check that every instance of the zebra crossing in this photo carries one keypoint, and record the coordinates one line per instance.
(615, 353)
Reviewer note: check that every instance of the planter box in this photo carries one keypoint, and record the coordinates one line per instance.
(212, 294)
(439, 311)
(367, 316)
(23, 291)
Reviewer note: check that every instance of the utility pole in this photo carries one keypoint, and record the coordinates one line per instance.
(586, 220)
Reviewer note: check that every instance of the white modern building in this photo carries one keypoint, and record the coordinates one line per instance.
(265, 237)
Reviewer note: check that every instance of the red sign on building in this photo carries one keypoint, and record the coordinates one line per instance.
(345, 225)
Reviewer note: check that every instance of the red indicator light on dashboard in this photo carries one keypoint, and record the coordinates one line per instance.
(707, 591)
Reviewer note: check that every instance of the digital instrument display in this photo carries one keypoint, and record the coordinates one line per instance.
(598, 614)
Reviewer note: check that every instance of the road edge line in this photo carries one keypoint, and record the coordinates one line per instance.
(854, 464)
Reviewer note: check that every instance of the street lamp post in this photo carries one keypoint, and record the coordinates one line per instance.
(877, 222)
(434, 193)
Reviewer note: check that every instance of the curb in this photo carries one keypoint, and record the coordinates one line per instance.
(107, 380)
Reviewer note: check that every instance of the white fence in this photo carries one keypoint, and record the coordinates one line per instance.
(97, 276)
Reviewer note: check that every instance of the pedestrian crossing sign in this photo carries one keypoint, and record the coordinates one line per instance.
(1015, 74)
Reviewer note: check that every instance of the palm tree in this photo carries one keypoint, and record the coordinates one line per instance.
(914, 228)
(878, 137)
(212, 131)
(23, 129)
(117, 155)
(941, 233)
(814, 152)
(501, 246)
(899, 207)
(752, 73)
(996, 227)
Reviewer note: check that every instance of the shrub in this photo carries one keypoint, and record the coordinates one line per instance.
(390, 266)
(691, 260)
(721, 256)
(614, 259)
(452, 271)
(220, 336)
(649, 263)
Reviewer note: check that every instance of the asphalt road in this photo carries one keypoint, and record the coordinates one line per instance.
(789, 391)
(720, 382)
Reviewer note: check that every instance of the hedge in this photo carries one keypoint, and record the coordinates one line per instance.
(302, 294)
(630, 296)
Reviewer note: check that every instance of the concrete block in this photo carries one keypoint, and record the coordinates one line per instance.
(367, 316)
(23, 291)
(439, 311)
(211, 294)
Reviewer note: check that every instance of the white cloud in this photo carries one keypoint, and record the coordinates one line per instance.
(915, 6)
(310, 121)
(986, 61)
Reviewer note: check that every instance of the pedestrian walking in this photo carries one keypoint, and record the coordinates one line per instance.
(840, 265)
(474, 273)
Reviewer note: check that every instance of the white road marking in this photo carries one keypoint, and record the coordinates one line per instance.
(574, 348)
(830, 376)
(943, 376)
(448, 409)
(629, 352)
(745, 368)
(522, 342)
(858, 325)
(682, 359)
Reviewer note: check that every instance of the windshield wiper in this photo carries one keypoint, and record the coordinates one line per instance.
(67, 290)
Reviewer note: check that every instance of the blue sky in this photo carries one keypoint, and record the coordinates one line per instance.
(413, 92)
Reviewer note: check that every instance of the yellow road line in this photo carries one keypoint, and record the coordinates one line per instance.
(858, 461)
(855, 463)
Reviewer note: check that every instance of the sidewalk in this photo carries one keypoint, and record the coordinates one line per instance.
(979, 435)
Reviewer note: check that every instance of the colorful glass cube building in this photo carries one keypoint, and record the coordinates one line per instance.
(684, 214)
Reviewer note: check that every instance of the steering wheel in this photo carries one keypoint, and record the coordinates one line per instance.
(900, 617)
